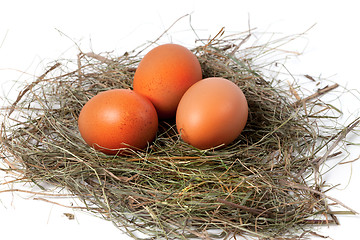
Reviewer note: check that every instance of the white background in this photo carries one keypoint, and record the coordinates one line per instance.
(34, 33)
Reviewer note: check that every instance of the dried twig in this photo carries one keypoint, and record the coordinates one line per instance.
(303, 187)
(247, 209)
(29, 87)
(98, 57)
(320, 92)
(342, 135)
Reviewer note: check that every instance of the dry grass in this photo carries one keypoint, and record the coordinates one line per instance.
(262, 185)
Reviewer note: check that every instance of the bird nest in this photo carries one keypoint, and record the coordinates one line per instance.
(265, 184)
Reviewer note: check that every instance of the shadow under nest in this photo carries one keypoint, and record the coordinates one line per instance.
(256, 186)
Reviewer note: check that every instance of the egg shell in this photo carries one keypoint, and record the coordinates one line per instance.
(164, 74)
(211, 113)
(118, 118)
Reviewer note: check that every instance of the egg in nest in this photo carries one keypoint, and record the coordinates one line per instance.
(163, 76)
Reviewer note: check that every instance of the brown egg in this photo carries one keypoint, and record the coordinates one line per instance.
(211, 113)
(117, 119)
(164, 75)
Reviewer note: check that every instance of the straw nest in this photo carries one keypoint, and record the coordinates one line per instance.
(266, 184)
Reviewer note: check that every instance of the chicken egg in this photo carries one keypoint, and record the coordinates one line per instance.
(118, 119)
(212, 112)
(163, 76)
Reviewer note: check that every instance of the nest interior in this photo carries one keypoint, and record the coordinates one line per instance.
(263, 184)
